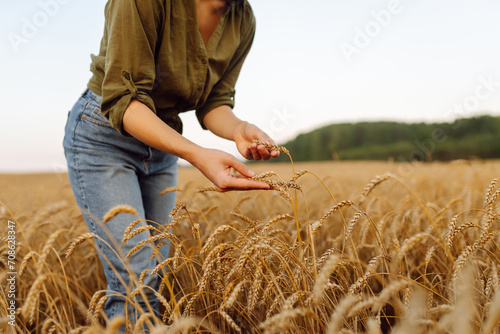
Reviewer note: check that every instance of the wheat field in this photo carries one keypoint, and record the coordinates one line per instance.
(336, 247)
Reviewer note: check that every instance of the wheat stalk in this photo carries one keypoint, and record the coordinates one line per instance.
(274, 221)
(283, 320)
(119, 209)
(343, 307)
(137, 231)
(170, 190)
(298, 174)
(47, 247)
(262, 176)
(92, 306)
(232, 297)
(254, 291)
(493, 315)
(336, 208)
(28, 309)
(295, 297)
(361, 282)
(98, 307)
(372, 184)
(154, 238)
(324, 274)
(47, 328)
(211, 239)
(229, 320)
(115, 324)
(273, 147)
(181, 325)
(467, 253)
(176, 209)
(131, 226)
(489, 192)
(24, 262)
(157, 247)
(208, 189)
(244, 218)
(77, 242)
(79, 330)
(352, 224)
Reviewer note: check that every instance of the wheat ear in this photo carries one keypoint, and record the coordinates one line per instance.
(119, 209)
(78, 241)
(28, 309)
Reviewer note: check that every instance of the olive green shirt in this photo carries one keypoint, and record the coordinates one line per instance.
(152, 51)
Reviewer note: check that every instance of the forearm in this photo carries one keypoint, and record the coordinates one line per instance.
(142, 123)
(222, 122)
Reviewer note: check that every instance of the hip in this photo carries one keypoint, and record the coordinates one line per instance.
(88, 131)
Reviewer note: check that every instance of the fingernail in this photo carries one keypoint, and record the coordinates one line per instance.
(251, 173)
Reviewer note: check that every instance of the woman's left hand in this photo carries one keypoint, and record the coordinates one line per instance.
(244, 134)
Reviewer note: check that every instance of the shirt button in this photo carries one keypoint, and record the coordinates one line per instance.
(203, 61)
(126, 75)
(200, 89)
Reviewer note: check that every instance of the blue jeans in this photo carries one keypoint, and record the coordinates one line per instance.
(107, 169)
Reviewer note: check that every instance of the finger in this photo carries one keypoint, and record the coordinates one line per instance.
(236, 183)
(251, 149)
(274, 153)
(265, 138)
(264, 152)
(271, 141)
(240, 167)
(255, 153)
(248, 154)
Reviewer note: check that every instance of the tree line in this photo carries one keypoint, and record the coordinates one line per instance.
(465, 138)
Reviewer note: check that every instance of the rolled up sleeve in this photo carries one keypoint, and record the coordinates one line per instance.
(223, 92)
(132, 33)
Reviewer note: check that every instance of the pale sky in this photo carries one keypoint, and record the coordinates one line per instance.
(313, 63)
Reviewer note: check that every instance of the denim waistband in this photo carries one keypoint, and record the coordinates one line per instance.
(92, 95)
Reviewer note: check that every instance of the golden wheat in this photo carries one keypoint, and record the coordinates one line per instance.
(78, 241)
(246, 262)
(28, 309)
(119, 209)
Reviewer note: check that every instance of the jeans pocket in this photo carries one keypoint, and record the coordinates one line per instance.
(74, 117)
(96, 117)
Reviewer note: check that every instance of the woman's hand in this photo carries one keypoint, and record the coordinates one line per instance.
(244, 134)
(142, 123)
(222, 122)
(216, 166)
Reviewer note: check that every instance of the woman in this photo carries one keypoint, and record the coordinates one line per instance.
(123, 136)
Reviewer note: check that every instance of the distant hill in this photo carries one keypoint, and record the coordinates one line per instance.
(463, 139)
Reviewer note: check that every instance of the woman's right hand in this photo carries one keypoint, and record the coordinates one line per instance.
(216, 166)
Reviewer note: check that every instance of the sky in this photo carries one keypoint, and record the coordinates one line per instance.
(312, 63)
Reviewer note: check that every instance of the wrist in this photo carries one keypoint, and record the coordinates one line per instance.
(195, 156)
(238, 130)
(188, 151)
